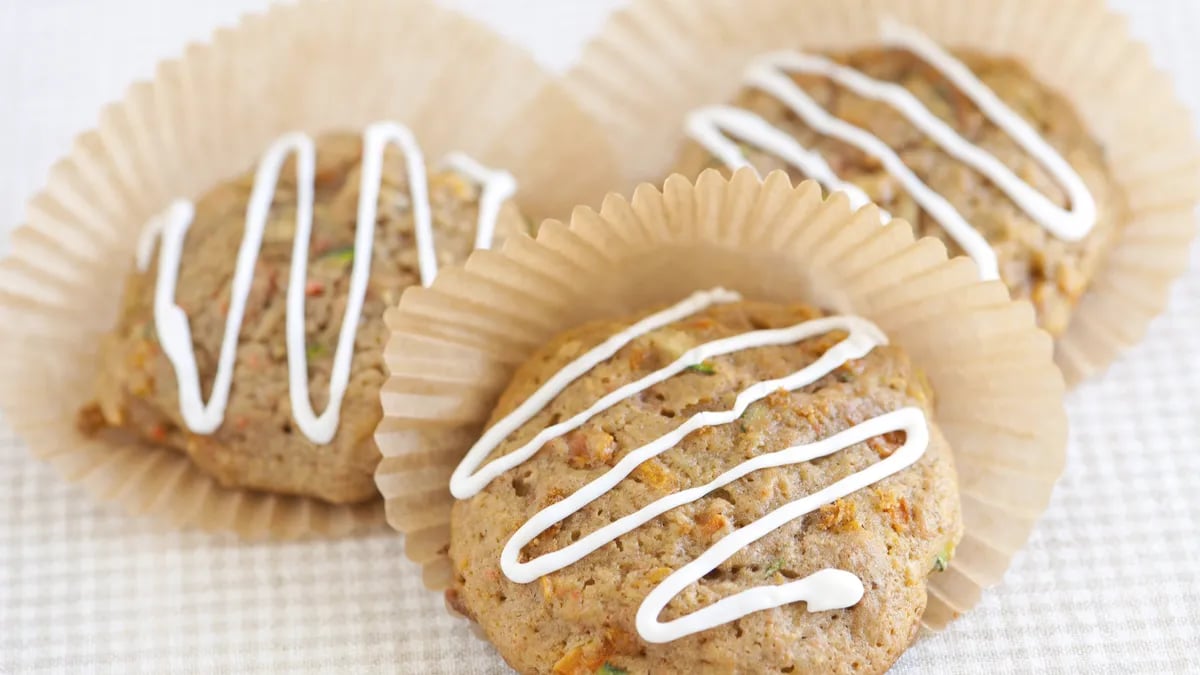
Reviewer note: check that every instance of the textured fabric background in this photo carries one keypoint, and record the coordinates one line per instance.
(1110, 582)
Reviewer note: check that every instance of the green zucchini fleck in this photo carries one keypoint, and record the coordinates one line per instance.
(342, 254)
(774, 567)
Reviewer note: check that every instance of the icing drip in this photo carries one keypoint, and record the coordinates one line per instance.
(498, 187)
(712, 127)
(170, 228)
(823, 590)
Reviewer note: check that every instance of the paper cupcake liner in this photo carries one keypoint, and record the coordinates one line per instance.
(999, 397)
(658, 59)
(205, 117)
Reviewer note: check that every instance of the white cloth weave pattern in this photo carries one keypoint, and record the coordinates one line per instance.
(1109, 583)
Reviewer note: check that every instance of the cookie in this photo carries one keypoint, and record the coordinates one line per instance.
(642, 483)
(969, 148)
(201, 360)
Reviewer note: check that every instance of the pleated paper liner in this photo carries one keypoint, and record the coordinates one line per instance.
(658, 59)
(455, 345)
(205, 117)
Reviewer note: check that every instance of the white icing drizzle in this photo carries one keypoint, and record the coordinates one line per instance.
(498, 187)
(823, 590)
(153, 229)
(171, 322)
(711, 127)
(465, 481)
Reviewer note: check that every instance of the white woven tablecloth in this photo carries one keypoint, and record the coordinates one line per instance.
(1110, 582)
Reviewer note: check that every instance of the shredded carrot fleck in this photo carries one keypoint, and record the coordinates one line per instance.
(657, 574)
(896, 507)
(637, 356)
(886, 444)
(581, 660)
(314, 288)
(585, 659)
(711, 522)
(158, 433)
(553, 496)
(656, 474)
(589, 447)
(780, 398)
(620, 640)
(854, 366)
(839, 516)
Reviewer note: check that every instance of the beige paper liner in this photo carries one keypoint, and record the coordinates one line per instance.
(658, 59)
(318, 65)
(999, 397)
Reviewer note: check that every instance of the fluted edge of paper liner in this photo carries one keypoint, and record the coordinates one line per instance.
(999, 397)
(657, 59)
(205, 117)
